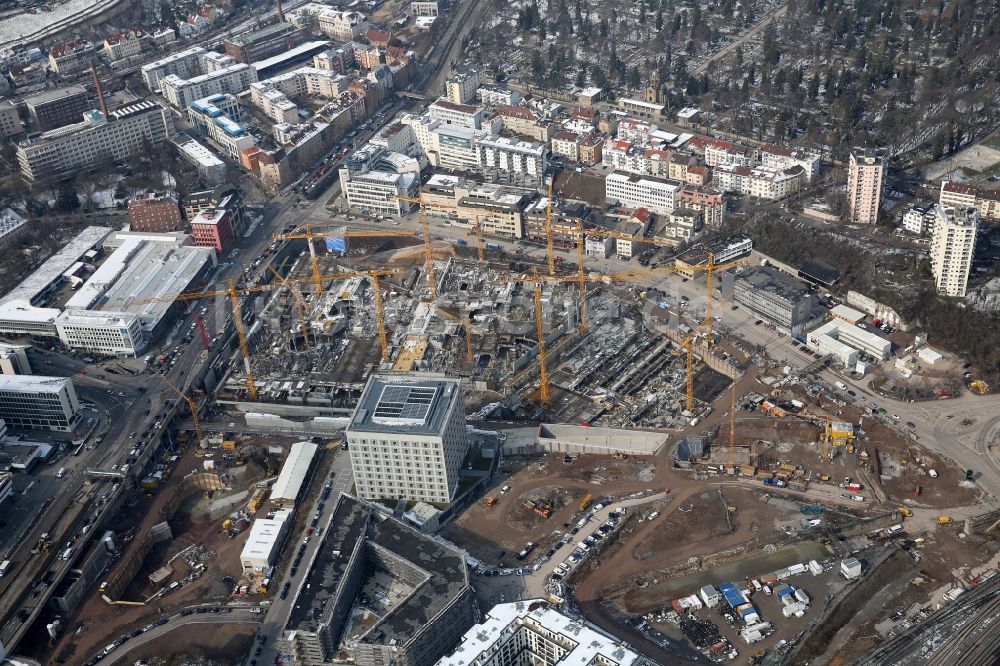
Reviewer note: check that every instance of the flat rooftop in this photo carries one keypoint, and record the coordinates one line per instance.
(57, 264)
(355, 527)
(33, 383)
(413, 404)
(585, 643)
(775, 282)
(142, 277)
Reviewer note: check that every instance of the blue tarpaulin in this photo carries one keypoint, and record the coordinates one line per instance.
(336, 244)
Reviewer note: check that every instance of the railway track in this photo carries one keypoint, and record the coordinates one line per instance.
(966, 633)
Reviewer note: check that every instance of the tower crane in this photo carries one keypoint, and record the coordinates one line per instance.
(428, 251)
(233, 293)
(549, 241)
(732, 425)
(191, 405)
(303, 325)
(309, 236)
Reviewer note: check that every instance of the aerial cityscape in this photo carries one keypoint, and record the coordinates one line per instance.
(483, 333)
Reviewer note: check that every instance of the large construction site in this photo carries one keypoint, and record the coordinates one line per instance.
(533, 344)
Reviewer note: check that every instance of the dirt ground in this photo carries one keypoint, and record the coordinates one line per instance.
(507, 525)
(204, 644)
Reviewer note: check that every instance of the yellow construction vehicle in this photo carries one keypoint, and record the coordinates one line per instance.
(944, 520)
(585, 502)
(905, 513)
(980, 387)
(490, 501)
(227, 525)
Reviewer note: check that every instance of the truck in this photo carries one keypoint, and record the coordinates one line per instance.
(854, 487)
(4, 566)
(461, 241)
(492, 246)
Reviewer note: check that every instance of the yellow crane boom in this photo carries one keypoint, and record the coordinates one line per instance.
(303, 325)
(342, 232)
(549, 241)
(191, 405)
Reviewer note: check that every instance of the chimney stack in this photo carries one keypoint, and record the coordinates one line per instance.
(281, 14)
(100, 91)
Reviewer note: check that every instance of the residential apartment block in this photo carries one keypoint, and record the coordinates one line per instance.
(781, 157)
(865, 179)
(207, 164)
(520, 161)
(343, 26)
(121, 136)
(952, 246)
(407, 438)
(71, 57)
(533, 632)
(960, 195)
(13, 228)
(215, 116)
(523, 121)
(10, 119)
(760, 182)
(124, 44)
(723, 153)
(461, 87)
(180, 92)
(184, 64)
(919, 218)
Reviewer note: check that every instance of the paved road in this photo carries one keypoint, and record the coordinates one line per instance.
(278, 611)
(731, 46)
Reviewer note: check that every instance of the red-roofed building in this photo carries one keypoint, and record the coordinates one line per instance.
(124, 44)
(71, 57)
(377, 37)
(697, 174)
(960, 195)
(523, 121)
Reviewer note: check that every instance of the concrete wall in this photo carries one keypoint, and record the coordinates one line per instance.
(581, 439)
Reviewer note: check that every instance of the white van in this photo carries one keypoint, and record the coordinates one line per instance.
(653, 515)
(61, 473)
(841, 385)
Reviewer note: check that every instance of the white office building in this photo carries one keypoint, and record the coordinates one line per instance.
(658, 195)
(374, 178)
(104, 333)
(531, 632)
(459, 115)
(29, 402)
(124, 134)
(952, 247)
(407, 438)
